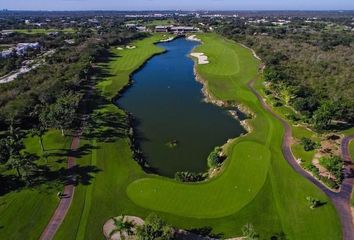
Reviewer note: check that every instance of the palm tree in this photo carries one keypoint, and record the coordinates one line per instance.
(13, 145)
(249, 233)
(39, 132)
(122, 226)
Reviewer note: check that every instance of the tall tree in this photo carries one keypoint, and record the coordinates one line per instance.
(154, 229)
(39, 131)
(24, 165)
(62, 113)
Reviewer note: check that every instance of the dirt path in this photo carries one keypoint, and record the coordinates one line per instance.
(65, 201)
(341, 199)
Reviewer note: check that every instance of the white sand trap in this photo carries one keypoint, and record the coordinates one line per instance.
(193, 38)
(167, 40)
(109, 227)
(202, 59)
(131, 47)
(119, 48)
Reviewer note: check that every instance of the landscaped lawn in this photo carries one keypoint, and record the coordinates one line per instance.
(351, 150)
(24, 214)
(256, 186)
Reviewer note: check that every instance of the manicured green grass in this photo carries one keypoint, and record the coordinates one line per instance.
(228, 83)
(43, 30)
(25, 213)
(235, 188)
(351, 150)
(256, 186)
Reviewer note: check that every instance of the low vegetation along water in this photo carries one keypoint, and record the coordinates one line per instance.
(176, 129)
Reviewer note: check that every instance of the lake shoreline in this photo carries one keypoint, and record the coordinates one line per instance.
(135, 132)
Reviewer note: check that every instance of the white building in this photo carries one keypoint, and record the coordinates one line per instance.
(22, 48)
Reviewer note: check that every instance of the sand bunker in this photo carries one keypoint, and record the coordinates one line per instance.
(202, 59)
(193, 38)
(119, 48)
(109, 233)
(131, 47)
(167, 40)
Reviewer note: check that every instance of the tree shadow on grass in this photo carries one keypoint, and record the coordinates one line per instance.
(106, 127)
(206, 232)
(51, 179)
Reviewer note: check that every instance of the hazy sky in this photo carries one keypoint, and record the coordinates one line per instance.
(177, 4)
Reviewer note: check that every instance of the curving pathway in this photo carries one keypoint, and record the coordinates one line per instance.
(341, 199)
(65, 201)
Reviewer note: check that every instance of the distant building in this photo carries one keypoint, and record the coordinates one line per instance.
(176, 29)
(69, 41)
(130, 25)
(7, 53)
(161, 29)
(182, 29)
(22, 48)
(141, 29)
(53, 34)
(7, 32)
(93, 20)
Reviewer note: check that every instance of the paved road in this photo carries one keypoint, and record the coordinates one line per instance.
(65, 202)
(341, 199)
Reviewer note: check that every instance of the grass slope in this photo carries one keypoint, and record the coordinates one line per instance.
(351, 150)
(257, 185)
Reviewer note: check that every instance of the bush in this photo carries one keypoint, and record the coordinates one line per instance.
(313, 202)
(154, 228)
(190, 176)
(308, 144)
(292, 117)
(277, 104)
(334, 165)
(313, 169)
(329, 182)
(267, 92)
(214, 158)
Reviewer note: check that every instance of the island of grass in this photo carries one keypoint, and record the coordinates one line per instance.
(172, 144)
(256, 185)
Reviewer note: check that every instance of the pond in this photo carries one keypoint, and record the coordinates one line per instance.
(176, 129)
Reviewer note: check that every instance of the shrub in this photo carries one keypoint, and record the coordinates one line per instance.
(292, 117)
(334, 165)
(308, 144)
(267, 92)
(154, 228)
(190, 176)
(277, 104)
(214, 158)
(313, 169)
(313, 203)
(329, 182)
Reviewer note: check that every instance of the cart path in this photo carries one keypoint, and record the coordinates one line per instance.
(65, 201)
(341, 199)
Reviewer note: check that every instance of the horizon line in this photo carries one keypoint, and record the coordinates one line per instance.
(178, 10)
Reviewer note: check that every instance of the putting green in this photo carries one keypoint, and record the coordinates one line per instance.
(238, 185)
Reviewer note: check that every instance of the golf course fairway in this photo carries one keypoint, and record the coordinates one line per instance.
(251, 159)
(256, 185)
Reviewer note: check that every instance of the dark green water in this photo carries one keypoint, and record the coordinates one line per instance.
(167, 103)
